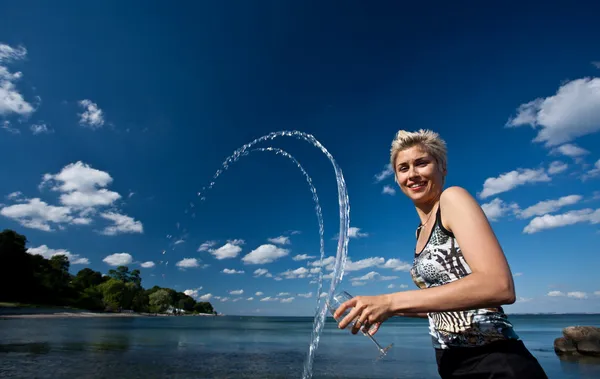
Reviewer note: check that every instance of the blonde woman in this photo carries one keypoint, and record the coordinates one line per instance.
(460, 269)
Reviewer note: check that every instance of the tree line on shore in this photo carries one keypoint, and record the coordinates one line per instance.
(33, 279)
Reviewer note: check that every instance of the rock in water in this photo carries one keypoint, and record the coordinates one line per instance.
(563, 346)
(589, 347)
(581, 333)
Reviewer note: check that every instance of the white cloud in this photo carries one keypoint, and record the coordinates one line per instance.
(357, 283)
(597, 293)
(223, 299)
(281, 240)
(326, 262)
(549, 206)
(40, 128)
(400, 286)
(574, 111)
(498, 208)
(569, 218)
(122, 224)
(305, 295)
(262, 271)
(323, 294)
(236, 292)
(78, 177)
(232, 271)
(258, 294)
(397, 265)
(596, 64)
(194, 293)
(363, 263)
(388, 190)
(593, 172)
(577, 295)
(510, 180)
(148, 264)
(11, 101)
(354, 232)
(7, 126)
(283, 294)
(299, 273)
(518, 274)
(302, 257)
(187, 263)
(287, 300)
(250, 298)
(92, 116)
(269, 298)
(556, 167)
(385, 173)
(555, 293)
(236, 241)
(207, 245)
(570, 150)
(118, 259)
(37, 214)
(373, 275)
(226, 251)
(48, 253)
(264, 254)
(205, 297)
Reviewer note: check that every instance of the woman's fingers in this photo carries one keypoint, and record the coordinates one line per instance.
(353, 314)
(360, 323)
(373, 329)
(342, 308)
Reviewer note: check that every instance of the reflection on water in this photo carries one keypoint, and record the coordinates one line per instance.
(233, 347)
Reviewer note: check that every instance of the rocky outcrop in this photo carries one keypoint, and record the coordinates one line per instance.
(578, 341)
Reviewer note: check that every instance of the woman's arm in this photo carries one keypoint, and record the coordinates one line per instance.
(489, 285)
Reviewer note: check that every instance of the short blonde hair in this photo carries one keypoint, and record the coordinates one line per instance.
(429, 140)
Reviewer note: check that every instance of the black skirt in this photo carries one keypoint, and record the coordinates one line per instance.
(501, 359)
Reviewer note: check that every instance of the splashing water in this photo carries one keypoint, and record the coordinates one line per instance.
(344, 209)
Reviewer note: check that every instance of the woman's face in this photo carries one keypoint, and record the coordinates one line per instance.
(418, 174)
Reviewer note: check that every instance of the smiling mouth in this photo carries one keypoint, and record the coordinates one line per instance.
(417, 186)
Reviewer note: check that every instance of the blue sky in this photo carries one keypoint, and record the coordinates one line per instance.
(113, 117)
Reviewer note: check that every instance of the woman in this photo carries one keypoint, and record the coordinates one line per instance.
(460, 268)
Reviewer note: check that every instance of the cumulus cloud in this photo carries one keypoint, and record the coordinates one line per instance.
(373, 275)
(305, 295)
(48, 253)
(188, 263)
(148, 264)
(232, 271)
(205, 297)
(236, 292)
(302, 257)
(354, 232)
(299, 273)
(11, 100)
(549, 206)
(388, 190)
(194, 292)
(510, 180)
(262, 271)
(82, 194)
(258, 293)
(497, 208)
(121, 224)
(287, 300)
(118, 259)
(281, 240)
(577, 295)
(574, 111)
(570, 150)
(227, 251)
(555, 293)
(39, 128)
(556, 221)
(594, 171)
(556, 167)
(385, 173)
(206, 246)
(92, 116)
(264, 254)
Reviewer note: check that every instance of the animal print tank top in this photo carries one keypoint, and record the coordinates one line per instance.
(441, 262)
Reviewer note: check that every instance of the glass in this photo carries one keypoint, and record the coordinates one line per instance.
(340, 298)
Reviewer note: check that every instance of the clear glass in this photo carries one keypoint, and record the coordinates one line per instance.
(337, 300)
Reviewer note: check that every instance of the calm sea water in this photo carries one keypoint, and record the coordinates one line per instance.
(243, 347)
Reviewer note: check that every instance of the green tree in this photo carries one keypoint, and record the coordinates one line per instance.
(160, 301)
(204, 307)
(112, 294)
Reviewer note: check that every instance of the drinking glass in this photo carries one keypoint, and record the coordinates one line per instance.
(337, 300)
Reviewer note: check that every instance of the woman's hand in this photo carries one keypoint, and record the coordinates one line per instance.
(367, 310)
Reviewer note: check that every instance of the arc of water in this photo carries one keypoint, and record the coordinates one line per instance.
(342, 246)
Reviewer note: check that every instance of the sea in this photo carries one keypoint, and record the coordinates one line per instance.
(246, 347)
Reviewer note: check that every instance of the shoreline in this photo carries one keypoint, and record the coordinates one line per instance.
(94, 314)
